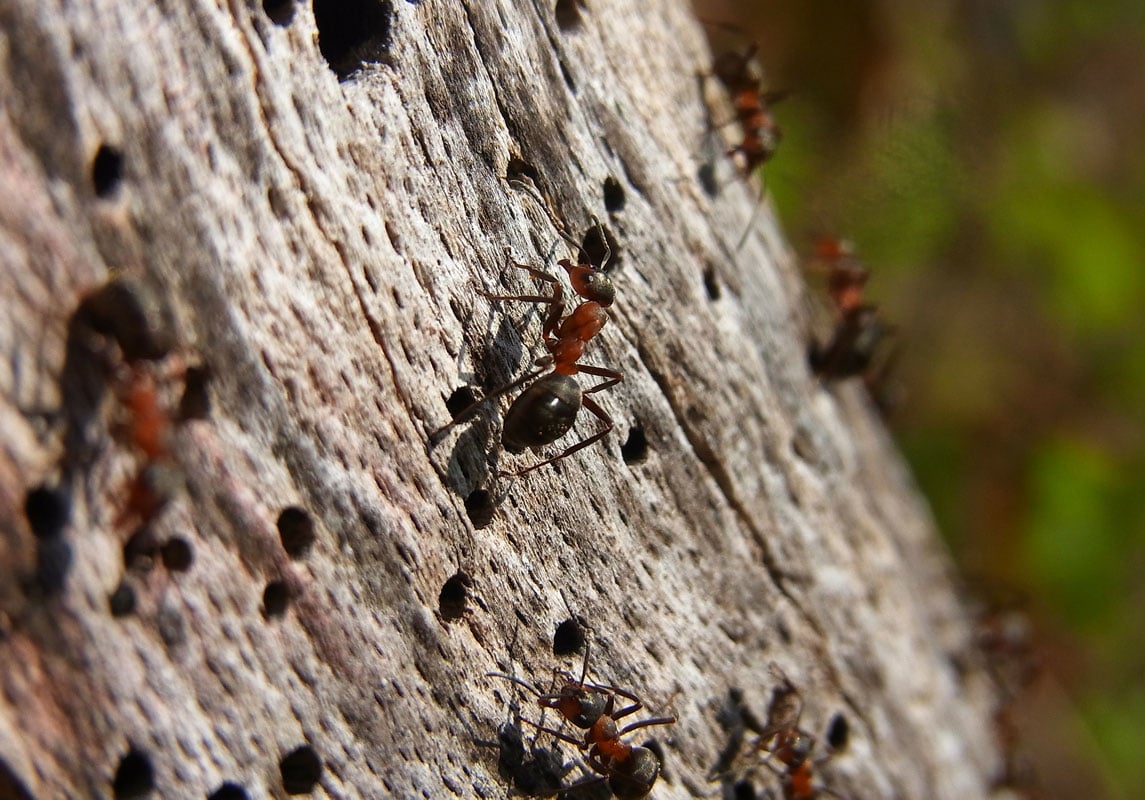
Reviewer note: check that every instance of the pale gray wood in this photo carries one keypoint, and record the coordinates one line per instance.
(319, 244)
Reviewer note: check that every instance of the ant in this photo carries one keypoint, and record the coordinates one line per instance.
(547, 409)
(783, 740)
(631, 771)
(741, 76)
(860, 329)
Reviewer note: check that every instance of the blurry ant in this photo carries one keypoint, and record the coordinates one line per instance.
(547, 409)
(783, 740)
(859, 330)
(741, 75)
(631, 771)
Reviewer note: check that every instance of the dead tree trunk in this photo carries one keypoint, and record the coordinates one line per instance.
(313, 198)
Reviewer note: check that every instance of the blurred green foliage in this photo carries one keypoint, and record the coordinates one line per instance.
(988, 160)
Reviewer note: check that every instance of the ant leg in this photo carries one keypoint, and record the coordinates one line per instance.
(564, 737)
(647, 723)
(603, 240)
(466, 413)
(614, 378)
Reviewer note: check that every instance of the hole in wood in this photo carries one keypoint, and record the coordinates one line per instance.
(177, 554)
(352, 33)
(711, 284)
(47, 510)
(635, 448)
(106, 170)
(296, 530)
(568, 15)
(121, 602)
(480, 507)
(614, 198)
(300, 768)
(454, 594)
(569, 637)
(229, 791)
(281, 12)
(196, 400)
(275, 599)
(134, 777)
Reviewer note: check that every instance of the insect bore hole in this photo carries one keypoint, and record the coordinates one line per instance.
(711, 284)
(121, 602)
(614, 198)
(480, 507)
(106, 170)
(454, 594)
(300, 768)
(354, 32)
(176, 554)
(568, 15)
(229, 791)
(597, 248)
(838, 732)
(134, 777)
(281, 12)
(635, 448)
(275, 599)
(296, 529)
(47, 510)
(569, 637)
(460, 400)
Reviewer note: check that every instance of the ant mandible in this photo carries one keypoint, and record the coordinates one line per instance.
(547, 409)
(860, 329)
(631, 771)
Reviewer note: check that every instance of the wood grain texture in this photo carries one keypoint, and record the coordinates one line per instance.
(317, 243)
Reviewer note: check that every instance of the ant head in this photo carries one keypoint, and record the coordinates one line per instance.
(589, 282)
(796, 747)
(635, 777)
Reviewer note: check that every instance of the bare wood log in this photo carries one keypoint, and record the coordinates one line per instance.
(317, 244)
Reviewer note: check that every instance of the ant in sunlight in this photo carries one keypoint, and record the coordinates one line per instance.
(631, 771)
(783, 740)
(859, 329)
(742, 77)
(547, 409)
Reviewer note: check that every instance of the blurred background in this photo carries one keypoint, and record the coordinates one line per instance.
(987, 160)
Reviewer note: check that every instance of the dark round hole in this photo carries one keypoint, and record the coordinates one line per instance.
(229, 791)
(134, 777)
(106, 170)
(122, 600)
(596, 248)
(480, 507)
(281, 12)
(354, 32)
(635, 448)
(613, 195)
(48, 511)
(275, 599)
(711, 284)
(141, 550)
(706, 175)
(301, 768)
(454, 593)
(569, 637)
(838, 732)
(744, 790)
(297, 532)
(196, 400)
(462, 399)
(568, 15)
(177, 554)
(521, 170)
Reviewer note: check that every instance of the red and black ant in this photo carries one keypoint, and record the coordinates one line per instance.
(631, 770)
(741, 76)
(547, 409)
(859, 329)
(783, 740)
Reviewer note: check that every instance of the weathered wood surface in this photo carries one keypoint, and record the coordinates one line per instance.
(318, 244)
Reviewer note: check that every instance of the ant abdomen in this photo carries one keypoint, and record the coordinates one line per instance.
(635, 777)
(542, 413)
